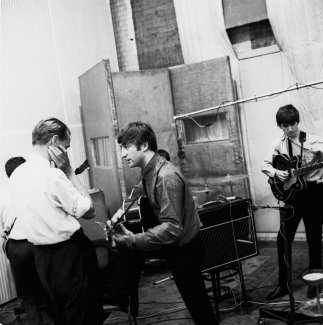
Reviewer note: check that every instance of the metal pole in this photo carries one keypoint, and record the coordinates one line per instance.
(296, 87)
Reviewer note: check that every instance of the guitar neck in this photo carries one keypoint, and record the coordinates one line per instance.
(307, 169)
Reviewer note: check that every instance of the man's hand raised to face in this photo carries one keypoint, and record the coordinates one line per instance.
(60, 158)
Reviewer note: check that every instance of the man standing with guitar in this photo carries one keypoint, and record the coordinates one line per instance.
(176, 232)
(294, 167)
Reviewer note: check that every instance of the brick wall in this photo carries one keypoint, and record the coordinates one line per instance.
(158, 43)
(124, 34)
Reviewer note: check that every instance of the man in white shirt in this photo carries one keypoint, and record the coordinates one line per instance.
(47, 201)
(21, 255)
(301, 193)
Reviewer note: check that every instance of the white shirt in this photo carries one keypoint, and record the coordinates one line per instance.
(7, 217)
(312, 154)
(45, 202)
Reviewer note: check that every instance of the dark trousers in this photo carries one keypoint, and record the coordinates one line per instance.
(307, 204)
(69, 274)
(185, 265)
(21, 255)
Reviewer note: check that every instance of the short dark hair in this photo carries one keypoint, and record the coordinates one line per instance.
(46, 129)
(287, 114)
(12, 164)
(163, 153)
(138, 133)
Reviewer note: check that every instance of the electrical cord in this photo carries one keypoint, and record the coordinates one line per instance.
(316, 87)
(161, 302)
(208, 124)
(169, 320)
(164, 312)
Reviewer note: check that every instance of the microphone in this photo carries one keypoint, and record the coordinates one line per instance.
(80, 169)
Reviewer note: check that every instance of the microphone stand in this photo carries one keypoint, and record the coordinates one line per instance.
(290, 317)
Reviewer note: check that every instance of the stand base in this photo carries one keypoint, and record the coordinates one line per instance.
(287, 317)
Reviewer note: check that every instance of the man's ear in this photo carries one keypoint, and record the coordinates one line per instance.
(53, 140)
(144, 147)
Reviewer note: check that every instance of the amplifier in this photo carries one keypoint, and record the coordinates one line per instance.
(228, 233)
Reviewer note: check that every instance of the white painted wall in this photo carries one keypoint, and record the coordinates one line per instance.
(45, 46)
(262, 75)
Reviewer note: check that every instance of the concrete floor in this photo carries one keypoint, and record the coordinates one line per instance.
(162, 304)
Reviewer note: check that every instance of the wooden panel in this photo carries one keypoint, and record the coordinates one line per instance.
(91, 227)
(146, 96)
(219, 164)
(97, 109)
(201, 85)
(241, 12)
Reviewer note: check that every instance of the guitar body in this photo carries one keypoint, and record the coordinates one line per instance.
(139, 216)
(283, 191)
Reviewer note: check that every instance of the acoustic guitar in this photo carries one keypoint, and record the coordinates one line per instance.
(283, 191)
(138, 216)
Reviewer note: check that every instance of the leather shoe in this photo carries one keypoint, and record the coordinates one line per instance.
(311, 291)
(277, 293)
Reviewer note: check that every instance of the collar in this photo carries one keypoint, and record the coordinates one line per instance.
(34, 157)
(150, 166)
(284, 137)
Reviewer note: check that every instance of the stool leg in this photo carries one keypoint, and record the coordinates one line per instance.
(243, 288)
(215, 294)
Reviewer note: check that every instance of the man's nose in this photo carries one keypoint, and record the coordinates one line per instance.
(123, 153)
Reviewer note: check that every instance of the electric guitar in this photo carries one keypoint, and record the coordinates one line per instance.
(283, 191)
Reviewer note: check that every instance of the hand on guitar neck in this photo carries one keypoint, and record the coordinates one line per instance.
(129, 215)
(114, 226)
(117, 232)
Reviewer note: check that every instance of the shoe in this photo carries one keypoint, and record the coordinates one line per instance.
(311, 291)
(277, 293)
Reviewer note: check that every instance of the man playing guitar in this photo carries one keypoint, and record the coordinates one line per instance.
(293, 165)
(176, 232)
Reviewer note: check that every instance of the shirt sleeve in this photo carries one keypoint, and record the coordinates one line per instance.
(66, 196)
(267, 165)
(170, 196)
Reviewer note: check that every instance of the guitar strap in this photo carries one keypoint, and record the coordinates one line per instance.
(290, 149)
(302, 139)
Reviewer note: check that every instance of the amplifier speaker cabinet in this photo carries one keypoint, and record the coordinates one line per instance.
(228, 233)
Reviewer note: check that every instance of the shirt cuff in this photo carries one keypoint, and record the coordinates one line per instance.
(82, 205)
(140, 242)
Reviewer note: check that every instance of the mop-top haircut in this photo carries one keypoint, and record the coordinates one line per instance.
(287, 114)
(12, 164)
(46, 129)
(138, 133)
